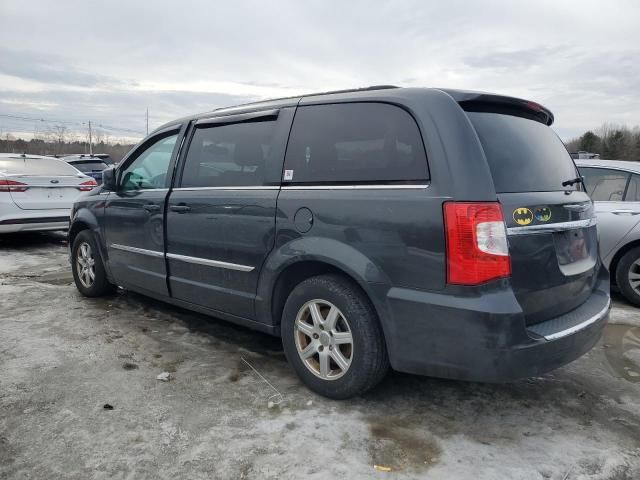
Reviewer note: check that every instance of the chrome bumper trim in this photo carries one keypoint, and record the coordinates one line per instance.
(580, 326)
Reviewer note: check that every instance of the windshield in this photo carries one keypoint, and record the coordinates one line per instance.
(88, 167)
(524, 155)
(36, 167)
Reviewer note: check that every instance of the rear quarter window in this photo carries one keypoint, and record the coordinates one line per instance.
(355, 143)
(523, 155)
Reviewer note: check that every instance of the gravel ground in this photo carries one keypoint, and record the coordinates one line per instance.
(64, 357)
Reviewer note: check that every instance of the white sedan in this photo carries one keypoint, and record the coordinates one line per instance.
(36, 193)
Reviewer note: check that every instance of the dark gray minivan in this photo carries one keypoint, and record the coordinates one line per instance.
(439, 232)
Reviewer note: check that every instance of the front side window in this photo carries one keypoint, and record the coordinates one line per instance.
(355, 143)
(149, 169)
(232, 155)
(604, 185)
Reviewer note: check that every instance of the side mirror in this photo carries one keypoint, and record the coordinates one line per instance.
(109, 179)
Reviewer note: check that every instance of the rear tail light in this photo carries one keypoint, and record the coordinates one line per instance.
(12, 186)
(477, 249)
(88, 185)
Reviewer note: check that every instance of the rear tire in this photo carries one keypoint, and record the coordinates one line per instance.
(88, 270)
(628, 276)
(332, 337)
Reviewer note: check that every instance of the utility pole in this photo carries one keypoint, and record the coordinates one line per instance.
(90, 142)
(147, 119)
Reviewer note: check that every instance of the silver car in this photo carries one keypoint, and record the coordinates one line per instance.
(614, 186)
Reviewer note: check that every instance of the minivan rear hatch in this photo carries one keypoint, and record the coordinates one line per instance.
(551, 227)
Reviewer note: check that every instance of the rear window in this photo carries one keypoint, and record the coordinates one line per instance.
(354, 143)
(606, 185)
(87, 167)
(36, 166)
(524, 155)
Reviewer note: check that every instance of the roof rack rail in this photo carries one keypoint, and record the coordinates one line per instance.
(330, 92)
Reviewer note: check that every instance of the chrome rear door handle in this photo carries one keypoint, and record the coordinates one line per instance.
(180, 208)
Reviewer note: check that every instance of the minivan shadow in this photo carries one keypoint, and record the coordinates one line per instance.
(396, 387)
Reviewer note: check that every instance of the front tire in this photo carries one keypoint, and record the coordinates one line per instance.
(332, 337)
(628, 276)
(88, 270)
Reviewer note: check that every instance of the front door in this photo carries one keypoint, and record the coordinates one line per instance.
(221, 217)
(134, 216)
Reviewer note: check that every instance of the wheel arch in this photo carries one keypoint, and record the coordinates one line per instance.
(84, 219)
(613, 266)
(304, 258)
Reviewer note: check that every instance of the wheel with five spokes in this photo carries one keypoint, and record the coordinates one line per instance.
(628, 275)
(332, 337)
(88, 270)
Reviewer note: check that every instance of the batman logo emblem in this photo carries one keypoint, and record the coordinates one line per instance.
(523, 216)
(542, 214)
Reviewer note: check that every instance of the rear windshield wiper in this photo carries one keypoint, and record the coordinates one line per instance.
(573, 181)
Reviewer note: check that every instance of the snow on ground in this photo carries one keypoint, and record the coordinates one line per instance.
(63, 357)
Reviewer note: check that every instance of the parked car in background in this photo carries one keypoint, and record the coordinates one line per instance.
(367, 228)
(614, 186)
(88, 164)
(36, 193)
(105, 157)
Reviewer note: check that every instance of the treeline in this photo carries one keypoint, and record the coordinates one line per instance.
(612, 142)
(39, 146)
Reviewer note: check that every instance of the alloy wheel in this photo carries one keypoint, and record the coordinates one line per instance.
(634, 276)
(323, 339)
(85, 265)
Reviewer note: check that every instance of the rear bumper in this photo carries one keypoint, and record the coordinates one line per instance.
(35, 222)
(485, 338)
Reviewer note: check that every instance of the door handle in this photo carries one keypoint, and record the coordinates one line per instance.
(625, 212)
(151, 207)
(180, 208)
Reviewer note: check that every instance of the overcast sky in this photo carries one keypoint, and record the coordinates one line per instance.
(108, 61)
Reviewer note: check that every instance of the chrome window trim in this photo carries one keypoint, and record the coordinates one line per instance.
(142, 251)
(185, 189)
(210, 263)
(580, 326)
(356, 187)
(552, 227)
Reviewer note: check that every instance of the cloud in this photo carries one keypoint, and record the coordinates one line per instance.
(51, 69)
(111, 60)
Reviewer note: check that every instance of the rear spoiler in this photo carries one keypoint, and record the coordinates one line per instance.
(486, 102)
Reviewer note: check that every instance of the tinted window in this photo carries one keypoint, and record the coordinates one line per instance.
(354, 143)
(36, 166)
(87, 167)
(229, 155)
(603, 184)
(524, 155)
(149, 169)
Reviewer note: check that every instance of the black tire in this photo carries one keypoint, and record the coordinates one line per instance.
(369, 362)
(626, 266)
(100, 285)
